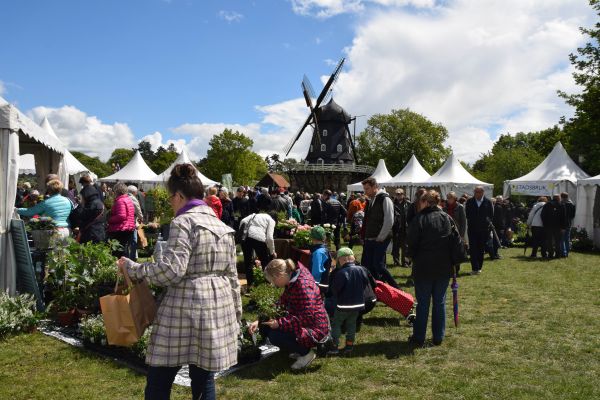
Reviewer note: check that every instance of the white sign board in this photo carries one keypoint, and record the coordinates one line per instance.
(533, 189)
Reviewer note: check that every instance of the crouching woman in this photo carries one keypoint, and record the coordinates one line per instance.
(306, 321)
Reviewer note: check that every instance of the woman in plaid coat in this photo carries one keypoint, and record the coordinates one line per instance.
(306, 322)
(197, 322)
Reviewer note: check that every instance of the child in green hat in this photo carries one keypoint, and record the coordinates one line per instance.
(320, 258)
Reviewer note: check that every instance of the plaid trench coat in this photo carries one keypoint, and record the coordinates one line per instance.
(198, 319)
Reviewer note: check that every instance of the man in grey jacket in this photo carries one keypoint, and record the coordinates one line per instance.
(379, 219)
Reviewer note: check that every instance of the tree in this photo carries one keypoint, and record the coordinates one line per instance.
(145, 149)
(230, 152)
(120, 157)
(163, 158)
(399, 135)
(94, 164)
(584, 127)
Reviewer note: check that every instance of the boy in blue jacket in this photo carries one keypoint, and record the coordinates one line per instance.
(320, 259)
(348, 288)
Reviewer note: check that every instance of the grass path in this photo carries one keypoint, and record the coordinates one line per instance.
(529, 330)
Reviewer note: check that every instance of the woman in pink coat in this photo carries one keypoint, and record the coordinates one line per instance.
(121, 222)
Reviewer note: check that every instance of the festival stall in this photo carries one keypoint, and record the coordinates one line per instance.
(136, 171)
(409, 178)
(184, 158)
(453, 177)
(20, 135)
(587, 214)
(557, 173)
(381, 175)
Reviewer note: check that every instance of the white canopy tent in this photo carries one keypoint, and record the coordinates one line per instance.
(74, 166)
(381, 175)
(453, 177)
(410, 176)
(26, 164)
(587, 213)
(136, 170)
(19, 134)
(557, 173)
(184, 158)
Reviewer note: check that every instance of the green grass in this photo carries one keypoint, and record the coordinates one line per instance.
(529, 330)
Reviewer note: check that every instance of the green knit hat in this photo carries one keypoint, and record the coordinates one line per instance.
(318, 233)
(345, 252)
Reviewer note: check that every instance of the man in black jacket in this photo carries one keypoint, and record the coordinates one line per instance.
(479, 213)
(399, 229)
(569, 214)
(316, 210)
(334, 213)
(554, 219)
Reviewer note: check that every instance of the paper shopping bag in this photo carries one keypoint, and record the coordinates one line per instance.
(126, 316)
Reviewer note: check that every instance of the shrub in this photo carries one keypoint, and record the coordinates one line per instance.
(17, 314)
(141, 346)
(93, 329)
(580, 240)
(265, 297)
(162, 207)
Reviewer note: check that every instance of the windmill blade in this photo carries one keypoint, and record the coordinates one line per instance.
(292, 142)
(334, 76)
(309, 87)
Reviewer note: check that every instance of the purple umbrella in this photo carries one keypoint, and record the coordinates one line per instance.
(454, 287)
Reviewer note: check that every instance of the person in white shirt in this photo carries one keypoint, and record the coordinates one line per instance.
(534, 222)
(257, 238)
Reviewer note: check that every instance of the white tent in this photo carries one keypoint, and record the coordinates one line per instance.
(381, 175)
(587, 213)
(453, 177)
(184, 158)
(136, 170)
(410, 176)
(74, 166)
(557, 173)
(19, 134)
(26, 164)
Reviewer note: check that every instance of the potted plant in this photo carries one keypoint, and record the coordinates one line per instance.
(302, 237)
(265, 298)
(248, 348)
(17, 314)
(162, 209)
(42, 230)
(93, 330)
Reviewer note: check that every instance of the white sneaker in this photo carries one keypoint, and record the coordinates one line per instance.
(304, 361)
(294, 356)
(475, 272)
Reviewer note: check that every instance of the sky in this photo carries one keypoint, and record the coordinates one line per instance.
(110, 73)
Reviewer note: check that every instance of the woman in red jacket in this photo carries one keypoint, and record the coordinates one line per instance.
(214, 202)
(121, 222)
(306, 322)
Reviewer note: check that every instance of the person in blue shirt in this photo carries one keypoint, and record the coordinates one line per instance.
(55, 206)
(320, 258)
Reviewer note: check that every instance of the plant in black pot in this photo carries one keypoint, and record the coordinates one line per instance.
(265, 299)
(248, 348)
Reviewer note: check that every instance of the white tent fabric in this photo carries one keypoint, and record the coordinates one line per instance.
(17, 132)
(557, 173)
(26, 164)
(453, 177)
(136, 170)
(74, 166)
(184, 158)
(380, 174)
(587, 213)
(409, 177)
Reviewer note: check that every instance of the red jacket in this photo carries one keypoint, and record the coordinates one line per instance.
(215, 203)
(122, 215)
(307, 318)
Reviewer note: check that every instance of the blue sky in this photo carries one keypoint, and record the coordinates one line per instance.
(110, 73)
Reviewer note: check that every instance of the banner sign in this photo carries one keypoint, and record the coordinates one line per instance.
(532, 189)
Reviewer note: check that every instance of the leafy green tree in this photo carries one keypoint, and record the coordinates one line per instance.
(162, 159)
(93, 163)
(399, 135)
(145, 149)
(120, 157)
(231, 152)
(584, 127)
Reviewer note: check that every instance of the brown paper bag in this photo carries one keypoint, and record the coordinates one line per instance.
(126, 316)
(142, 240)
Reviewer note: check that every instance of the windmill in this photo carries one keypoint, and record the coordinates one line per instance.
(331, 141)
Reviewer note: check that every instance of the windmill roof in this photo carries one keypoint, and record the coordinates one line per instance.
(332, 111)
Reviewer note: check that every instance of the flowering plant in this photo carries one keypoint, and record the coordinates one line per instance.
(41, 224)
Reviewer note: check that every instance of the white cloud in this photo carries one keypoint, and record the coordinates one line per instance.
(156, 141)
(475, 66)
(82, 132)
(230, 16)
(330, 8)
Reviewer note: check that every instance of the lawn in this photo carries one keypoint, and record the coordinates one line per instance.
(529, 330)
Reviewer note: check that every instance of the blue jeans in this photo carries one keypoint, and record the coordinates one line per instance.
(426, 291)
(283, 340)
(566, 242)
(373, 258)
(160, 380)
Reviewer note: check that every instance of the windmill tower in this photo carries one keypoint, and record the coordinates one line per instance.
(331, 141)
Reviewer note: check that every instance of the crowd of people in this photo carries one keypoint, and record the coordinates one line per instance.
(198, 320)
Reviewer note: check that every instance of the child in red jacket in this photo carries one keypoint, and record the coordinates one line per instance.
(306, 322)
